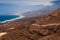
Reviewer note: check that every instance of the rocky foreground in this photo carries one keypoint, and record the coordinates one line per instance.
(46, 27)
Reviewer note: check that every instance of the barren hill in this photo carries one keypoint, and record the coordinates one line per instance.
(45, 27)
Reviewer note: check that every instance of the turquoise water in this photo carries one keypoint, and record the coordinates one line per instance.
(7, 17)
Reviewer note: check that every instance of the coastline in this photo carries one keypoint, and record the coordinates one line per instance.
(12, 19)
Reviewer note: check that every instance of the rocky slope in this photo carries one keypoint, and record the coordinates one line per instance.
(45, 27)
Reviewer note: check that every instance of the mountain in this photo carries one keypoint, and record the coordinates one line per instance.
(43, 11)
(45, 27)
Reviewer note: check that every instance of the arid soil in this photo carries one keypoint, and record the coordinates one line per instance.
(46, 27)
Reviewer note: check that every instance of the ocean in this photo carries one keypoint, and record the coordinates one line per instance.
(4, 18)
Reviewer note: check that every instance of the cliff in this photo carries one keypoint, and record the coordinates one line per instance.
(45, 27)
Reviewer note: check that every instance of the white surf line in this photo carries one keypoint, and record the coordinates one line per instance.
(47, 24)
(2, 34)
(13, 19)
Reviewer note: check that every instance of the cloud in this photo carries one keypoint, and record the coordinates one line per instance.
(56, 2)
(22, 5)
(28, 2)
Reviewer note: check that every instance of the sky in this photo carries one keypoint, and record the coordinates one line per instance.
(17, 7)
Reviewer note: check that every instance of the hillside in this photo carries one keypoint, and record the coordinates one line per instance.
(40, 12)
(45, 27)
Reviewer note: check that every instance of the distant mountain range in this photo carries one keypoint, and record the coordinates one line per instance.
(45, 10)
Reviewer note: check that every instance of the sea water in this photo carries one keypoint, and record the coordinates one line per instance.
(4, 18)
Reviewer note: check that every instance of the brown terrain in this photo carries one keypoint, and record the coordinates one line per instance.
(45, 27)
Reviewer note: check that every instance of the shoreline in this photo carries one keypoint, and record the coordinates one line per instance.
(12, 19)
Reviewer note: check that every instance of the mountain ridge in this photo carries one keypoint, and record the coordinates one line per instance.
(45, 27)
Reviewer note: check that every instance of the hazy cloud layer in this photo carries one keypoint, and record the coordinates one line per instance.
(56, 2)
(21, 6)
(28, 2)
